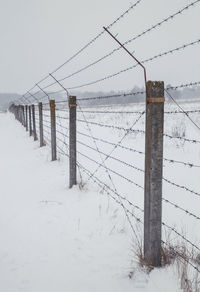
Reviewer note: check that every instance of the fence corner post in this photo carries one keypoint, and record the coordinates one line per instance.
(53, 130)
(72, 141)
(153, 172)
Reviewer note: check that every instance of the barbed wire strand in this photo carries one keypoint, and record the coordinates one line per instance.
(182, 110)
(134, 66)
(180, 208)
(181, 187)
(121, 140)
(109, 176)
(163, 198)
(180, 235)
(90, 42)
(105, 186)
(157, 25)
(181, 256)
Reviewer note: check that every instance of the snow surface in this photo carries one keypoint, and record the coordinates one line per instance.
(54, 239)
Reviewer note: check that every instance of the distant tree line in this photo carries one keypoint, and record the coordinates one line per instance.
(187, 93)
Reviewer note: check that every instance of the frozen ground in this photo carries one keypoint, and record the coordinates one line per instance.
(55, 239)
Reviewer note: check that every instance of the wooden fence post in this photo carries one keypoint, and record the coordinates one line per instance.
(30, 124)
(53, 130)
(72, 141)
(34, 125)
(153, 172)
(26, 110)
(41, 124)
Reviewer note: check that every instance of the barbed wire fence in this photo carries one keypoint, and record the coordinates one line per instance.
(76, 128)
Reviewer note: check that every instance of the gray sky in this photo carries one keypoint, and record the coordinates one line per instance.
(39, 35)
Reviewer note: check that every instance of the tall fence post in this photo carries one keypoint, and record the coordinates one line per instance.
(34, 125)
(30, 123)
(40, 109)
(26, 111)
(72, 141)
(53, 130)
(22, 121)
(23, 113)
(153, 172)
(20, 114)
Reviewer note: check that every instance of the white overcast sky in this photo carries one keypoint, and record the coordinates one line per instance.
(38, 35)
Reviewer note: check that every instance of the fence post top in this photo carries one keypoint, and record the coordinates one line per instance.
(72, 101)
(52, 103)
(151, 83)
(72, 98)
(155, 91)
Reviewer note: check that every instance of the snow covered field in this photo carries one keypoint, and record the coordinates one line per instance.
(56, 239)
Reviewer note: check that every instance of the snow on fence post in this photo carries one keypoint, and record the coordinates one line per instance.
(153, 172)
(34, 125)
(30, 123)
(41, 124)
(26, 110)
(53, 129)
(72, 141)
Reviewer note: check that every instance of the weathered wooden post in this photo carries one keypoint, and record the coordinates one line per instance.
(72, 141)
(53, 130)
(26, 110)
(41, 124)
(30, 124)
(34, 125)
(153, 172)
